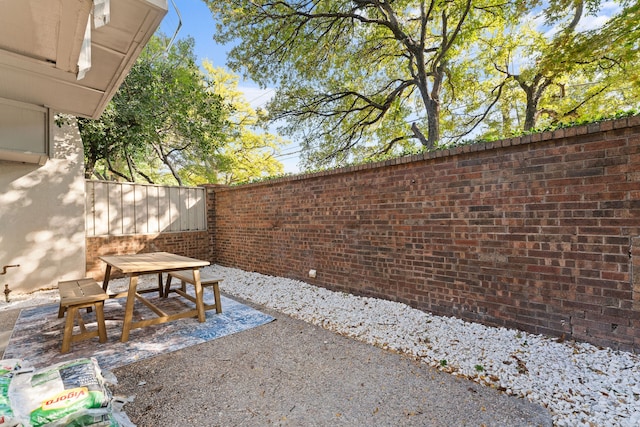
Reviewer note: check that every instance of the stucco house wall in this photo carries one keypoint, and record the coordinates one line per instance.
(42, 221)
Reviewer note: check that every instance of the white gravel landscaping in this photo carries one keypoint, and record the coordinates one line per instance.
(582, 385)
(579, 383)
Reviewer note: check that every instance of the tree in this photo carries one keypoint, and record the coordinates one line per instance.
(173, 122)
(363, 78)
(355, 77)
(546, 66)
(611, 54)
(249, 148)
(558, 73)
(163, 113)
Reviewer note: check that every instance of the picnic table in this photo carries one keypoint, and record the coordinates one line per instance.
(134, 265)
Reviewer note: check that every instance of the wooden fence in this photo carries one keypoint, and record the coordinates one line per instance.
(116, 208)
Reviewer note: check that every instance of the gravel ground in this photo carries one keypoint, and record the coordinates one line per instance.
(291, 373)
(579, 384)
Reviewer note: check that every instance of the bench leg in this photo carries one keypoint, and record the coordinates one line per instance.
(107, 275)
(216, 295)
(167, 286)
(199, 296)
(160, 290)
(102, 328)
(68, 329)
(74, 313)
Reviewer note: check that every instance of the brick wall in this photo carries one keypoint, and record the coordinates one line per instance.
(538, 233)
(195, 244)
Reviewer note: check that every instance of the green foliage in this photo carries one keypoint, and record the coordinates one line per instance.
(561, 72)
(249, 148)
(585, 120)
(163, 115)
(367, 80)
(355, 79)
(170, 122)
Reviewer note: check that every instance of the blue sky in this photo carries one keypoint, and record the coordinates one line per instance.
(198, 23)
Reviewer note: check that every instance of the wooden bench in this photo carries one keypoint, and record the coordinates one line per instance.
(77, 294)
(186, 276)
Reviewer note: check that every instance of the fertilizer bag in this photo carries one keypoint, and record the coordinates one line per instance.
(58, 392)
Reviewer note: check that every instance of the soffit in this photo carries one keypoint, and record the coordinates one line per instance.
(40, 42)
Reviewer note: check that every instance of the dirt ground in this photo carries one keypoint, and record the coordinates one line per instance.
(291, 373)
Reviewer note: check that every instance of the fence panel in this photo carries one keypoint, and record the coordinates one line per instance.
(122, 208)
(141, 206)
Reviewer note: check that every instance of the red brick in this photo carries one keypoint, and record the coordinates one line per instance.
(531, 232)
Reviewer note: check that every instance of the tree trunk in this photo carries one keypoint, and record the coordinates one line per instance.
(530, 114)
(433, 122)
(89, 167)
(432, 105)
(532, 101)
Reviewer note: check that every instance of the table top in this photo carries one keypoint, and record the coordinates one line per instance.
(152, 262)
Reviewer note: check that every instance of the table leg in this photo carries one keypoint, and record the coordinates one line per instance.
(160, 286)
(199, 295)
(128, 312)
(107, 275)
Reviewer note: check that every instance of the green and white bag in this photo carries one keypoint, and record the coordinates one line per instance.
(64, 391)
